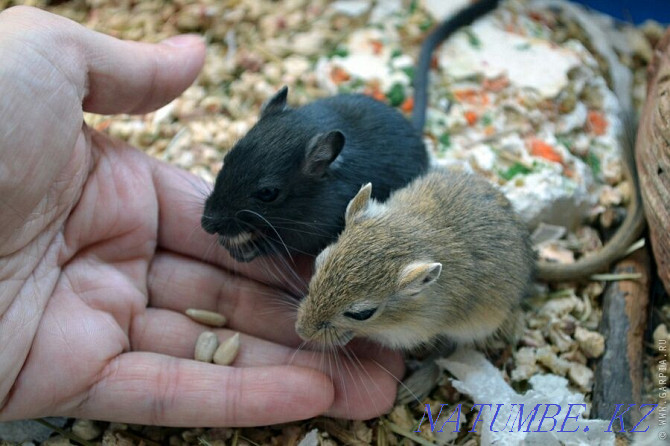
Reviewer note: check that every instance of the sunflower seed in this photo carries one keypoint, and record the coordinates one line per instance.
(206, 317)
(205, 346)
(227, 351)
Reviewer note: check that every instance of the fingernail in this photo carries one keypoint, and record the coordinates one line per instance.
(183, 40)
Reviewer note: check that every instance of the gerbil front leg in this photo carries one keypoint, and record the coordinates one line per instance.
(424, 378)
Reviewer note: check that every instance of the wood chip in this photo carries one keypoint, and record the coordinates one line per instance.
(227, 351)
(206, 317)
(205, 346)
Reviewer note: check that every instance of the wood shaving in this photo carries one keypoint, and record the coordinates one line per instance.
(517, 137)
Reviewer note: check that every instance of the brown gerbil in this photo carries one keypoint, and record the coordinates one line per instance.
(446, 256)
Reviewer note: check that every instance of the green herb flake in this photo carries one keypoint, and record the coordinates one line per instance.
(486, 119)
(565, 142)
(594, 163)
(522, 46)
(473, 40)
(445, 139)
(396, 53)
(409, 71)
(396, 95)
(414, 4)
(426, 25)
(514, 170)
(339, 51)
(357, 83)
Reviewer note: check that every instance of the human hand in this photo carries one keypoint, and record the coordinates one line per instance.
(101, 252)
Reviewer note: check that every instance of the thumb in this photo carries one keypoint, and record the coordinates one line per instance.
(134, 77)
(108, 75)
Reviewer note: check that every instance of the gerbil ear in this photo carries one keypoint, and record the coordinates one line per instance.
(276, 103)
(417, 276)
(321, 151)
(359, 203)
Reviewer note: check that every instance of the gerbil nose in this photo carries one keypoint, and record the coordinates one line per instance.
(300, 329)
(208, 223)
(307, 332)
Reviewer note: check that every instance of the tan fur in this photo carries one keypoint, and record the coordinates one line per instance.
(446, 217)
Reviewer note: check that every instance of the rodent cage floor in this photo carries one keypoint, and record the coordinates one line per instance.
(255, 47)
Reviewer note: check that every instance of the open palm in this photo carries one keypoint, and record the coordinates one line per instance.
(100, 255)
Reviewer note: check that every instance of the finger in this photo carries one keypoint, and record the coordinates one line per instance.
(148, 388)
(134, 77)
(365, 376)
(110, 75)
(181, 196)
(174, 334)
(177, 283)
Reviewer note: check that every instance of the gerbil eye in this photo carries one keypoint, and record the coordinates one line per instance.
(267, 194)
(360, 315)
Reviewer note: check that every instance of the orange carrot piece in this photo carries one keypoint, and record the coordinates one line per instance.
(497, 84)
(464, 95)
(407, 105)
(372, 89)
(339, 75)
(471, 96)
(377, 46)
(541, 149)
(379, 95)
(597, 122)
(471, 117)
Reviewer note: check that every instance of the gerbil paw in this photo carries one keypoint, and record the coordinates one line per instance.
(418, 385)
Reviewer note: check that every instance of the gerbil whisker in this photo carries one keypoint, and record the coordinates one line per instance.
(352, 357)
(279, 305)
(280, 275)
(198, 191)
(328, 352)
(399, 381)
(258, 292)
(268, 237)
(288, 252)
(313, 225)
(292, 278)
(194, 230)
(302, 345)
(200, 185)
(296, 284)
(211, 248)
(299, 231)
(309, 223)
(340, 365)
(348, 355)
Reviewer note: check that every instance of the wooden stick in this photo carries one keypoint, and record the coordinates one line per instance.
(618, 375)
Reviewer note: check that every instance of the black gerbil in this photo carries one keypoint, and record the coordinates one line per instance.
(285, 185)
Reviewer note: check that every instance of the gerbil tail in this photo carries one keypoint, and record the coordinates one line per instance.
(633, 225)
(629, 231)
(462, 18)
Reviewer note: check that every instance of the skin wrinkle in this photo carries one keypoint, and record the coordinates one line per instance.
(231, 404)
(43, 202)
(168, 376)
(16, 329)
(78, 288)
